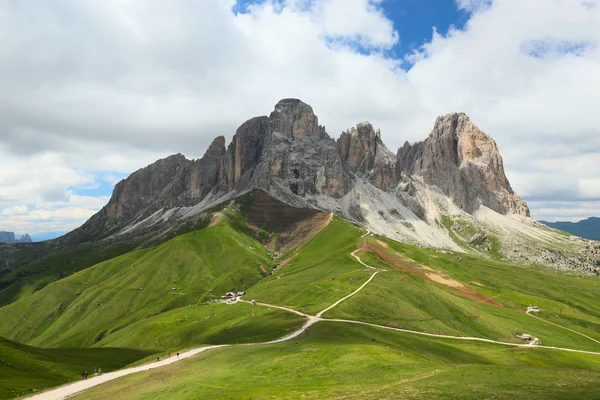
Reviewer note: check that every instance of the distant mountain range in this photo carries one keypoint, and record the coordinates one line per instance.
(9, 237)
(587, 228)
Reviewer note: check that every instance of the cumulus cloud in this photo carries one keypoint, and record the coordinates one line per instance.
(106, 87)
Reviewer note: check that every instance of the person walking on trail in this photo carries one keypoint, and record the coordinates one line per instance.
(169, 355)
(158, 358)
(83, 375)
(177, 355)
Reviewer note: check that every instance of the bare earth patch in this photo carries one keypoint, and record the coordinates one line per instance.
(218, 217)
(444, 281)
(382, 244)
(408, 265)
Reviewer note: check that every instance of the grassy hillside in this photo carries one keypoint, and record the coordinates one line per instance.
(26, 369)
(472, 297)
(129, 302)
(318, 274)
(205, 324)
(84, 308)
(39, 264)
(336, 360)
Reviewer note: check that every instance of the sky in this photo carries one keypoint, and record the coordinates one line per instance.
(91, 91)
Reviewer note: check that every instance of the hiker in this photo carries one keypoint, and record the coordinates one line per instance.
(83, 375)
(373, 340)
(158, 358)
(169, 355)
(177, 355)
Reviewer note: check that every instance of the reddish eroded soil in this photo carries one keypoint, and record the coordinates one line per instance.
(294, 227)
(427, 273)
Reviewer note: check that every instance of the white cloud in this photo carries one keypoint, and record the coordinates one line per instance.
(473, 5)
(113, 85)
(15, 210)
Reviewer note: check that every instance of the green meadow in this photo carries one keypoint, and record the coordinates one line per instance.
(26, 370)
(130, 308)
(339, 361)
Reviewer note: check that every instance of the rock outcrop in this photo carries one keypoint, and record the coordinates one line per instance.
(465, 164)
(364, 154)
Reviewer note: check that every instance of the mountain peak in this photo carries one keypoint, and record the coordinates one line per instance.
(295, 119)
(465, 163)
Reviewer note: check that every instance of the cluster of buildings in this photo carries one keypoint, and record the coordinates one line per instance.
(230, 297)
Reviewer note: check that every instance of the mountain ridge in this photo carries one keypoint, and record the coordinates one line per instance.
(588, 228)
(289, 148)
(440, 192)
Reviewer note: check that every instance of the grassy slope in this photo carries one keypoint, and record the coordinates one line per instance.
(398, 298)
(305, 283)
(68, 312)
(25, 369)
(39, 269)
(215, 323)
(335, 360)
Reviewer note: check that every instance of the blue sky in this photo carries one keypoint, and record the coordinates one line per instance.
(415, 19)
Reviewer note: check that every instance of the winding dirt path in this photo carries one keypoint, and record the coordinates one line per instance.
(350, 295)
(468, 338)
(563, 327)
(63, 392)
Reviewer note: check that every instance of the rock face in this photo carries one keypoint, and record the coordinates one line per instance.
(364, 154)
(9, 237)
(289, 155)
(465, 164)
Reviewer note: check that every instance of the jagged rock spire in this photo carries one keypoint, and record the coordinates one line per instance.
(465, 163)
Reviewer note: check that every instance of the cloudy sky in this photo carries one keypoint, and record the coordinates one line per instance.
(91, 90)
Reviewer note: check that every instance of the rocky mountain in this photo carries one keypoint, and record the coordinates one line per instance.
(441, 192)
(588, 228)
(9, 237)
(465, 163)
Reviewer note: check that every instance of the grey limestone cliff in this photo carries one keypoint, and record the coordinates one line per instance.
(464, 163)
(291, 156)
